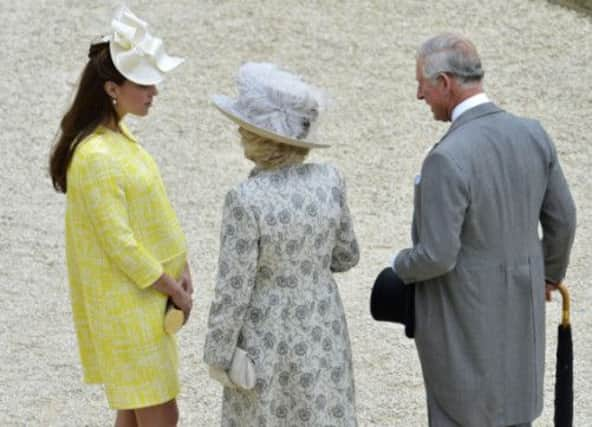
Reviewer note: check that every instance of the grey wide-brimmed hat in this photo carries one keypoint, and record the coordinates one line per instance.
(274, 104)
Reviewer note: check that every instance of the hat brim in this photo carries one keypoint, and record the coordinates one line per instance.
(226, 106)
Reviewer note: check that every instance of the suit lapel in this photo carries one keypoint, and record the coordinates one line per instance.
(470, 115)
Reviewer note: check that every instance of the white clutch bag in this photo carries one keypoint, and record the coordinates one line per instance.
(241, 373)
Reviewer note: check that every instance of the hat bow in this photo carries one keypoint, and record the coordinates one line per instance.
(136, 44)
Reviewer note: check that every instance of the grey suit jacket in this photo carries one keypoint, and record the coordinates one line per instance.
(481, 266)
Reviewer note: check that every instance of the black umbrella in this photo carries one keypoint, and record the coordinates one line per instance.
(564, 368)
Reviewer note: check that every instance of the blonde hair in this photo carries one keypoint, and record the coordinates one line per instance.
(268, 154)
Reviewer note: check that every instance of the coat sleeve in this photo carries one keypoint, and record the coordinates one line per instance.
(105, 203)
(237, 267)
(346, 252)
(558, 221)
(444, 198)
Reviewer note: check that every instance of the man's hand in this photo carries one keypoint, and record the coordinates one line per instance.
(549, 289)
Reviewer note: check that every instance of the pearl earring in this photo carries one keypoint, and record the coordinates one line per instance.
(114, 100)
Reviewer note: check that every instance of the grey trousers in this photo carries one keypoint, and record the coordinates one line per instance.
(437, 417)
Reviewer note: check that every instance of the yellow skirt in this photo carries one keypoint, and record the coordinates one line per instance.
(139, 363)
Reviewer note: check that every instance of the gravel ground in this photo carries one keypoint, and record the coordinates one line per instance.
(537, 58)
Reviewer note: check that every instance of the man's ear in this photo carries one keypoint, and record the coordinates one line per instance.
(111, 89)
(446, 81)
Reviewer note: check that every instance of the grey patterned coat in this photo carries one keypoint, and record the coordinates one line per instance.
(284, 232)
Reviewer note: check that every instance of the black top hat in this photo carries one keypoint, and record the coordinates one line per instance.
(393, 301)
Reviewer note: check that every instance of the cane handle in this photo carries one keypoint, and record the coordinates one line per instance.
(565, 310)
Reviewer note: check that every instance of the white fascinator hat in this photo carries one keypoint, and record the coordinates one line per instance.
(138, 55)
(274, 104)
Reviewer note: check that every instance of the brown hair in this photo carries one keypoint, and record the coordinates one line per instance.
(91, 107)
(268, 154)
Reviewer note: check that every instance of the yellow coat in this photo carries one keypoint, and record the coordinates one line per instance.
(121, 234)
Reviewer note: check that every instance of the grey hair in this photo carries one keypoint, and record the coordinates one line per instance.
(451, 54)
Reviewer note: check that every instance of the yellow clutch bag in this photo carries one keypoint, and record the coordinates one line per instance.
(173, 318)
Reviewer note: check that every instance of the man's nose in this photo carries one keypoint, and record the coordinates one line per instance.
(419, 93)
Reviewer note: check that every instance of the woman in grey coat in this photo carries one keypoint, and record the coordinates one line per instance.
(285, 231)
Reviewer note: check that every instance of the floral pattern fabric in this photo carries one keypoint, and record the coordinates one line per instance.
(284, 232)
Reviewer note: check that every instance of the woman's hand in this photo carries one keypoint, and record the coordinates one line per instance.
(181, 298)
(183, 301)
(186, 281)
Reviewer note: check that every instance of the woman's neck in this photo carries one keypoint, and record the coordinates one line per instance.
(112, 125)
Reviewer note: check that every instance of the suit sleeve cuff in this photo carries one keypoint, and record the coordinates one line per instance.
(393, 260)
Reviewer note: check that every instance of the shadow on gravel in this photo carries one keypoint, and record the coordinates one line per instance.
(584, 6)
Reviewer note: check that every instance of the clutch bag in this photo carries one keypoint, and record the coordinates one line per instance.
(241, 373)
(242, 370)
(173, 318)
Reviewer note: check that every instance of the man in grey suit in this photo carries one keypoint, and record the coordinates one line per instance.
(480, 268)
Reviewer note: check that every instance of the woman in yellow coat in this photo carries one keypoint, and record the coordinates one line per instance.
(126, 252)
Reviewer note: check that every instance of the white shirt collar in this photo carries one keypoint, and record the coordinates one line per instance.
(469, 103)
